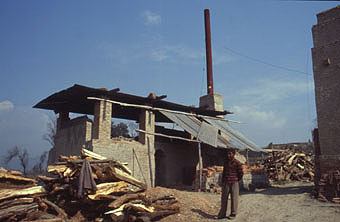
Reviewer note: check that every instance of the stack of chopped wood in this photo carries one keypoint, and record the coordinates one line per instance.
(90, 189)
(118, 196)
(289, 165)
(19, 196)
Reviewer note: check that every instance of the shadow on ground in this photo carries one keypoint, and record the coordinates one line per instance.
(204, 214)
(282, 190)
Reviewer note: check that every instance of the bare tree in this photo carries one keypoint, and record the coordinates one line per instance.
(51, 131)
(38, 168)
(132, 128)
(21, 154)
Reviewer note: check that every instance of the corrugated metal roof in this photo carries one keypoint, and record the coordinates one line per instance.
(194, 126)
(234, 134)
(207, 131)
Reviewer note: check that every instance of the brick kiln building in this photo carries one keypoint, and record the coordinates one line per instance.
(326, 68)
(159, 155)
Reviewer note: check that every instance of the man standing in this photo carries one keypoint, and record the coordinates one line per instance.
(232, 173)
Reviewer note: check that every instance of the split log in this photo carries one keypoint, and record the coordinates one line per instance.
(12, 172)
(88, 153)
(126, 198)
(61, 213)
(109, 188)
(46, 179)
(17, 210)
(48, 220)
(13, 177)
(57, 168)
(10, 193)
(60, 167)
(19, 201)
(120, 175)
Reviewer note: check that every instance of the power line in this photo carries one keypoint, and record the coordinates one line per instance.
(267, 63)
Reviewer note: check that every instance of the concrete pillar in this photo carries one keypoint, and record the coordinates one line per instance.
(212, 102)
(102, 120)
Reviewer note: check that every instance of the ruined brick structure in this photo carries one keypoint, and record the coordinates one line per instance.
(81, 132)
(326, 68)
(159, 155)
(153, 159)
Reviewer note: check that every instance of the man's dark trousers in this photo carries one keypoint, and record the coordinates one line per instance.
(233, 190)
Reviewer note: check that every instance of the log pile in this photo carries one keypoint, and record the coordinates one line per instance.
(18, 196)
(90, 188)
(288, 165)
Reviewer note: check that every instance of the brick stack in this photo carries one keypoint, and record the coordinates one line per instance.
(329, 186)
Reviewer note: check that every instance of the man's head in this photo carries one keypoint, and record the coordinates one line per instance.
(230, 154)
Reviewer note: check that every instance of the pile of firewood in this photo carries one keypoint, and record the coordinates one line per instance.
(106, 192)
(288, 165)
(19, 196)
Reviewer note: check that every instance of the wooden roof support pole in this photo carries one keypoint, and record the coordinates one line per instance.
(200, 166)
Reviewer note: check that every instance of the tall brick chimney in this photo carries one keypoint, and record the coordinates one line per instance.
(326, 69)
(211, 101)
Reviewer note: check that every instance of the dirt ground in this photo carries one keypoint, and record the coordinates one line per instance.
(289, 202)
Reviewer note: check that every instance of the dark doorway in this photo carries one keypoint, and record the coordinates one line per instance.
(160, 159)
(188, 175)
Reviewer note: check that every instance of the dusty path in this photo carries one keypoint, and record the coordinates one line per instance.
(290, 202)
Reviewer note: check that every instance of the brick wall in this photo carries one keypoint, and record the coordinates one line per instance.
(102, 120)
(326, 69)
(71, 137)
(133, 153)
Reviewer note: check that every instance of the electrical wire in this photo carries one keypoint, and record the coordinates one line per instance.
(266, 63)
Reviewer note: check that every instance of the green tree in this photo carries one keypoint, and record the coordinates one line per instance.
(119, 129)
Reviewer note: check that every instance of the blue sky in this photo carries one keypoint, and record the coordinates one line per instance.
(158, 46)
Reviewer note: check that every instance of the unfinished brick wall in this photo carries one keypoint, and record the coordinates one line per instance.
(71, 136)
(133, 153)
(326, 68)
(78, 133)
